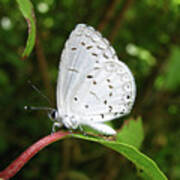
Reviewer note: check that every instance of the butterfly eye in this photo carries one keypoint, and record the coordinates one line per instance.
(53, 115)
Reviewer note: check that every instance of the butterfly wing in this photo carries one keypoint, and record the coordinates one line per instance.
(72, 66)
(92, 82)
(75, 62)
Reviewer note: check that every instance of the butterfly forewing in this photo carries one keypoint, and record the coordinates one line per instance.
(92, 82)
(72, 67)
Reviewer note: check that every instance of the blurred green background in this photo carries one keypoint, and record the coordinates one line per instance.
(145, 35)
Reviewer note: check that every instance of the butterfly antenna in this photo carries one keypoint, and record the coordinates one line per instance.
(38, 91)
(38, 108)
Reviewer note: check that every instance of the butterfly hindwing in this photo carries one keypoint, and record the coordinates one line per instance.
(107, 95)
(92, 82)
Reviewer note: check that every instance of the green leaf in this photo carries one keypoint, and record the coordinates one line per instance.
(172, 77)
(142, 162)
(131, 133)
(26, 8)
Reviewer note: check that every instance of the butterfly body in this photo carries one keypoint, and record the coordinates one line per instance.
(93, 85)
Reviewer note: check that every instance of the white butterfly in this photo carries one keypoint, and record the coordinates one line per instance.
(93, 85)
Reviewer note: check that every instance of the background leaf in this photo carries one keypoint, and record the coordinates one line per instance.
(131, 133)
(172, 76)
(26, 8)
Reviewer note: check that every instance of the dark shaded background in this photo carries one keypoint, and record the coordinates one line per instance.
(146, 36)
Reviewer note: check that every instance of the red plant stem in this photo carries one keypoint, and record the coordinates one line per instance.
(17, 164)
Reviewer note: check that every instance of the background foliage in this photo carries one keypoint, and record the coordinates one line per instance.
(145, 35)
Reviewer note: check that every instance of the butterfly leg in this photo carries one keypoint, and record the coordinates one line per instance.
(82, 130)
(55, 125)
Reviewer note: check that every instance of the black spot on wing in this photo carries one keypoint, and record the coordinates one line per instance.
(105, 56)
(110, 108)
(83, 43)
(89, 76)
(94, 54)
(102, 116)
(105, 102)
(73, 48)
(88, 47)
(73, 70)
(110, 86)
(108, 80)
(86, 106)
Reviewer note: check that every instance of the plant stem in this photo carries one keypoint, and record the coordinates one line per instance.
(18, 163)
(119, 19)
(108, 14)
(43, 66)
